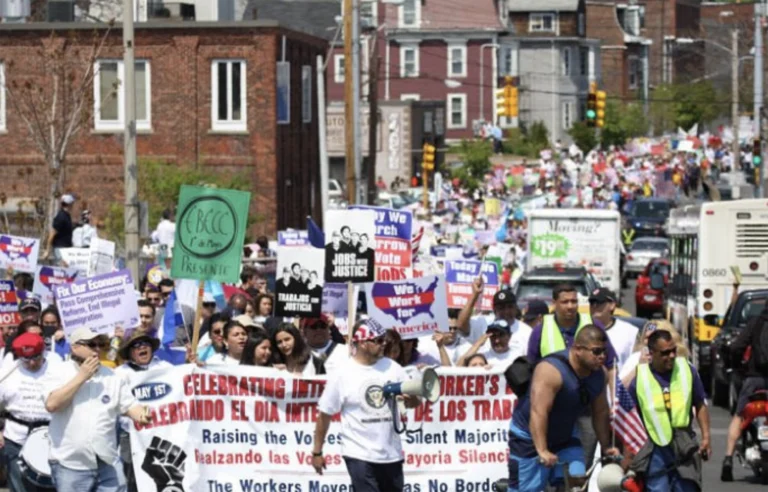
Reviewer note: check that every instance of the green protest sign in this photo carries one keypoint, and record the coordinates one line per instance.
(210, 230)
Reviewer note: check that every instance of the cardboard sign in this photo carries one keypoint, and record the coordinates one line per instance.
(9, 304)
(299, 285)
(19, 253)
(459, 276)
(101, 257)
(394, 253)
(210, 231)
(292, 238)
(77, 258)
(414, 307)
(47, 277)
(350, 241)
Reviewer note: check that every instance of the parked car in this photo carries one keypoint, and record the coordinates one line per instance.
(642, 251)
(649, 301)
(647, 216)
(726, 375)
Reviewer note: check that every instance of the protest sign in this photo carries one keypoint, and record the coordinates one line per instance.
(99, 303)
(459, 276)
(77, 258)
(9, 304)
(251, 429)
(393, 242)
(335, 300)
(292, 238)
(414, 307)
(210, 231)
(47, 277)
(19, 253)
(350, 239)
(101, 257)
(299, 288)
(427, 265)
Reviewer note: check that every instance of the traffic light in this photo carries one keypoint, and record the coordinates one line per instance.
(592, 104)
(757, 152)
(428, 157)
(600, 107)
(507, 98)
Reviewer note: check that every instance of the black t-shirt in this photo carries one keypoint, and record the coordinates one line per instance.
(62, 223)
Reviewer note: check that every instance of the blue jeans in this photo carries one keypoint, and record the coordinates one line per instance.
(11, 452)
(661, 459)
(105, 478)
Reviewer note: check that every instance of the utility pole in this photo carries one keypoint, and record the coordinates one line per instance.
(358, 134)
(350, 117)
(322, 130)
(758, 102)
(373, 118)
(131, 210)
(735, 96)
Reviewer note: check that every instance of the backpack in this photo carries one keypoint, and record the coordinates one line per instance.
(519, 374)
(760, 343)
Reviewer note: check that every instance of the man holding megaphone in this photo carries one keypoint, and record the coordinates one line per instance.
(364, 390)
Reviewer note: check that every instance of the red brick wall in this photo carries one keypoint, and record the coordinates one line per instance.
(180, 61)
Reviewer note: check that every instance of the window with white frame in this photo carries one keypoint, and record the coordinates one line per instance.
(338, 69)
(306, 93)
(457, 110)
(228, 91)
(410, 97)
(457, 60)
(109, 95)
(2, 96)
(541, 23)
(568, 115)
(368, 12)
(409, 61)
(635, 72)
(409, 13)
(566, 61)
(583, 61)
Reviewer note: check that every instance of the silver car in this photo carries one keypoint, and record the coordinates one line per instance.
(643, 250)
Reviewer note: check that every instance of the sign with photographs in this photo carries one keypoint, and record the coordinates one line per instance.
(394, 252)
(299, 282)
(350, 242)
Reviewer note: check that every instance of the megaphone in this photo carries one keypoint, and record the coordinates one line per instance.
(610, 478)
(427, 386)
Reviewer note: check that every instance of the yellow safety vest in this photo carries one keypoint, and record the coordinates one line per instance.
(659, 421)
(552, 339)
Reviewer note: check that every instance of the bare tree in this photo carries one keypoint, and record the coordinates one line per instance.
(53, 98)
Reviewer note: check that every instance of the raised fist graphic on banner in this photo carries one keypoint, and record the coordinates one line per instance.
(164, 462)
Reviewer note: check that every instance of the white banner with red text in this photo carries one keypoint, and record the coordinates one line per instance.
(250, 429)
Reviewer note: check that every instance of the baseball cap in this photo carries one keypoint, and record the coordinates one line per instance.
(83, 334)
(504, 298)
(28, 345)
(368, 329)
(30, 303)
(535, 308)
(310, 322)
(499, 325)
(245, 321)
(68, 199)
(601, 295)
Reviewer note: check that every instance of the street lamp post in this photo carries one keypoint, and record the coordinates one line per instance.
(482, 76)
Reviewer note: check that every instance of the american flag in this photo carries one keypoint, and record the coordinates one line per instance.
(416, 243)
(626, 420)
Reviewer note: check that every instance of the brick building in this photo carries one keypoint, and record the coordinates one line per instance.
(233, 98)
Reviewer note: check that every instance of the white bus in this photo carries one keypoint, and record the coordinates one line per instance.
(708, 242)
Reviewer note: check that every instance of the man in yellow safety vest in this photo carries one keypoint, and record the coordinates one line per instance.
(666, 391)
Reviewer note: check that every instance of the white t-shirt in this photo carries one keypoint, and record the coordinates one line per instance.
(622, 336)
(125, 371)
(427, 346)
(366, 420)
(338, 357)
(222, 360)
(86, 428)
(8, 362)
(630, 364)
(21, 394)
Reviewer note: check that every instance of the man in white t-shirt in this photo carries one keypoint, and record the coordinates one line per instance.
(21, 394)
(371, 448)
(622, 335)
(501, 344)
(504, 307)
(85, 400)
(317, 333)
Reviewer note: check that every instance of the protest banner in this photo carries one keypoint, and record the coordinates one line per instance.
(99, 303)
(393, 242)
(19, 253)
(335, 300)
(101, 257)
(77, 258)
(210, 231)
(414, 307)
(299, 288)
(47, 277)
(459, 276)
(9, 304)
(251, 429)
(350, 241)
(292, 238)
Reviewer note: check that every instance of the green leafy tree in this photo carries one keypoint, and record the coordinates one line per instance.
(662, 109)
(633, 120)
(612, 133)
(583, 136)
(695, 103)
(160, 184)
(475, 155)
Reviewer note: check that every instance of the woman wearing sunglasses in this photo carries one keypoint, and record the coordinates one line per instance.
(212, 342)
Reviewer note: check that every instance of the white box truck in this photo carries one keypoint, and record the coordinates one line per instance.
(577, 237)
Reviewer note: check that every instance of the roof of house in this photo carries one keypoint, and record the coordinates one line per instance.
(315, 17)
(542, 5)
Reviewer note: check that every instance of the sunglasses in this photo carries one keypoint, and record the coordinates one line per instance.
(377, 341)
(596, 351)
(93, 345)
(667, 353)
(33, 358)
(217, 332)
(141, 344)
